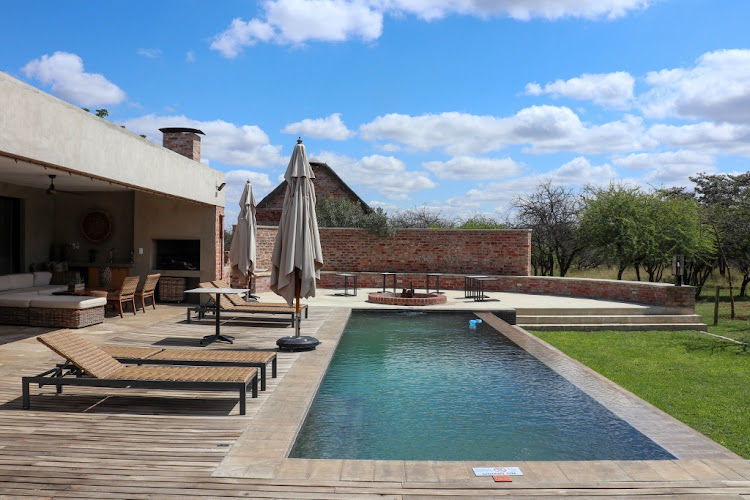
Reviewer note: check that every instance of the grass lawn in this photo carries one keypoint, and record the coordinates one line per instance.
(700, 380)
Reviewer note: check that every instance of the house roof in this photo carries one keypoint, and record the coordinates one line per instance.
(316, 166)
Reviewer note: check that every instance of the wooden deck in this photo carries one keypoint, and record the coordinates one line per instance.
(114, 443)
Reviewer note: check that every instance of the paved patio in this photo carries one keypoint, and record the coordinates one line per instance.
(107, 443)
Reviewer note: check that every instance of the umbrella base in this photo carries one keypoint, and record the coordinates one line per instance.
(303, 343)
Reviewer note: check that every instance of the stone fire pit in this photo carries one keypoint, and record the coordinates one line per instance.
(396, 299)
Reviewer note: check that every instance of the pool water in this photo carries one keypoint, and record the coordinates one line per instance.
(424, 386)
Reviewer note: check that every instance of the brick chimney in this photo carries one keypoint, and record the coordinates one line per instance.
(183, 140)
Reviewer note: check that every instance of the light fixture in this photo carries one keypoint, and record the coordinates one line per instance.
(221, 186)
(51, 189)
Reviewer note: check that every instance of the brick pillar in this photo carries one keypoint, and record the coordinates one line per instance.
(184, 141)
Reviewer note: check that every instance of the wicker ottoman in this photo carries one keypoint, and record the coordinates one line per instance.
(171, 289)
(14, 309)
(62, 311)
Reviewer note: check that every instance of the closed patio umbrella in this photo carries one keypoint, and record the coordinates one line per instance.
(297, 257)
(242, 251)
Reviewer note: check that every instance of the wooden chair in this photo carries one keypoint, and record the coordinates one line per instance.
(126, 293)
(148, 290)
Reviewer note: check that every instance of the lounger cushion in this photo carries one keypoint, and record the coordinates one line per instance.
(11, 281)
(67, 302)
(16, 300)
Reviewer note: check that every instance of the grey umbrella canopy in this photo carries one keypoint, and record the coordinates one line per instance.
(297, 257)
(242, 251)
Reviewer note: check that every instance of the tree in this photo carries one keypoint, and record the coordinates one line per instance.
(340, 212)
(228, 239)
(101, 113)
(421, 218)
(725, 200)
(480, 221)
(609, 223)
(670, 226)
(553, 214)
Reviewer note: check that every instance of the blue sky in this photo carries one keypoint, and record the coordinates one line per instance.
(457, 105)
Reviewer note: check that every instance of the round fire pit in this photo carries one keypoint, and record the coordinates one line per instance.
(395, 299)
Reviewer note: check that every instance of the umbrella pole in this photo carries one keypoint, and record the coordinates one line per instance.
(297, 286)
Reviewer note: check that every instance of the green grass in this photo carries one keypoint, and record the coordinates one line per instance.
(700, 380)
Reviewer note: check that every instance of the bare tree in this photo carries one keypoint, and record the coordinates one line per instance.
(421, 217)
(552, 213)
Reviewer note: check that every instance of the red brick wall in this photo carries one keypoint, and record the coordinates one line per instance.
(325, 186)
(504, 255)
(416, 250)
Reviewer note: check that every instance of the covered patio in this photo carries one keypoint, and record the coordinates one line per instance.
(80, 193)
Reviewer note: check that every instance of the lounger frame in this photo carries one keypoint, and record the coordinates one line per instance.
(228, 311)
(263, 367)
(68, 374)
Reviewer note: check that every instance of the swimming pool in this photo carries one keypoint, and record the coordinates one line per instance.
(423, 386)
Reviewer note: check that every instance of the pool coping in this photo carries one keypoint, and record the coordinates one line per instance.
(262, 449)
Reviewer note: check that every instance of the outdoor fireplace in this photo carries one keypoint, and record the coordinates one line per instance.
(182, 255)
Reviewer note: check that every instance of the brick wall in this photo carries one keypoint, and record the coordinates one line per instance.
(504, 255)
(416, 250)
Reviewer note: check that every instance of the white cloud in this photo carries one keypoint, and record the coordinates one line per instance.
(330, 127)
(686, 160)
(64, 71)
(385, 174)
(190, 56)
(611, 90)
(706, 137)
(299, 21)
(245, 145)
(517, 9)
(579, 171)
(150, 53)
(543, 128)
(716, 88)
(470, 167)
(241, 34)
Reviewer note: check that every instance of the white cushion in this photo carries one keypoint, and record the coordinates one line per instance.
(67, 302)
(10, 281)
(50, 289)
(19, 300)
(42, 278)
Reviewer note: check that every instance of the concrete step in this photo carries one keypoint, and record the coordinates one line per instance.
(608, 319)
(600, 311)
(630, 327)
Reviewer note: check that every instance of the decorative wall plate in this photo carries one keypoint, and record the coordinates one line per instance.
(96, 225)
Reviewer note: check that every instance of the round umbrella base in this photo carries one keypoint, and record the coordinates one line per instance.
(302, 343)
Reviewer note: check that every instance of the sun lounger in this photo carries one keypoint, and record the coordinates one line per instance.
(88, 365)
(234, 303)
(216, 357)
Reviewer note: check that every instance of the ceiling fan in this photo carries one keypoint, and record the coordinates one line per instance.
(53, 190)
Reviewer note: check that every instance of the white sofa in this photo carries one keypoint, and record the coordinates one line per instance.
(26, 299)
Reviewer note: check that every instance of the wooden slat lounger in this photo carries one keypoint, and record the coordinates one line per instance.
(233, 303)
(93, 367)
(216, 357)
